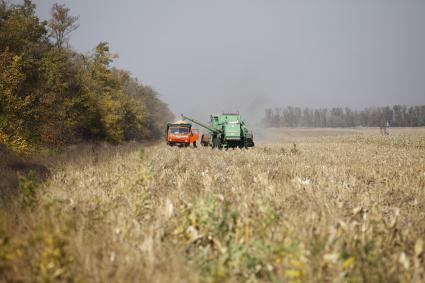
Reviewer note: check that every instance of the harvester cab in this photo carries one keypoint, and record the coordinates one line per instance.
(225, 130)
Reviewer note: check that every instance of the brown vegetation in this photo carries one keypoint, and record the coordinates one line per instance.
(306, 208)
(13, 168)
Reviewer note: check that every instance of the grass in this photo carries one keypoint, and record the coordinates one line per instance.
(302, 206)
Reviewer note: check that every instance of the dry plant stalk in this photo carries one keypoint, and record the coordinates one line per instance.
(332, 208)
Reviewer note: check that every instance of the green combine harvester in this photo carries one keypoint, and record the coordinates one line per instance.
(227, 130)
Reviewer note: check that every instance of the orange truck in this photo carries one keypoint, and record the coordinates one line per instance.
(180, 133)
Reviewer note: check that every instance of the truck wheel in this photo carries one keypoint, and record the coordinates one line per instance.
(205, 141)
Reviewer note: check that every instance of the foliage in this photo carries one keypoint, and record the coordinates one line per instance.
(398, 116)
(40, 256)
(61, 24)
(157, 113)
(50, 95)
(28, 197)
(12, 107)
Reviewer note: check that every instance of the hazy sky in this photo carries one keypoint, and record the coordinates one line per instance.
(210, 56)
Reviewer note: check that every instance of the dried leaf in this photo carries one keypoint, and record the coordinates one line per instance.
(356, 210)
(331, 257)
(292, 273)
(404, 260)
(348, 262)
(419, 247)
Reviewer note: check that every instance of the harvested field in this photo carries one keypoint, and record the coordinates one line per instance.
(304, 205)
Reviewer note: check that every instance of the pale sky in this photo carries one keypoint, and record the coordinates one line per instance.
(227, 55)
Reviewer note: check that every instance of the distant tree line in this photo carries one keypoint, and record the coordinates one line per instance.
(52, 95)
(396, 116)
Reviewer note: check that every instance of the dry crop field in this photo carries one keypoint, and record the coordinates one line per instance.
(302, 206)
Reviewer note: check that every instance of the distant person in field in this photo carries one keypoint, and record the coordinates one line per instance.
(385, 130)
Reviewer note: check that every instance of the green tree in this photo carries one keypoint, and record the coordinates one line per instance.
(12, 107)
(55, 96)
(61, 24)
(64, 108)
(106, 90)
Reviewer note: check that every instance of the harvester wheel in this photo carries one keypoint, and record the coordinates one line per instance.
(194, 144)
(214, 142)
(219, 145)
